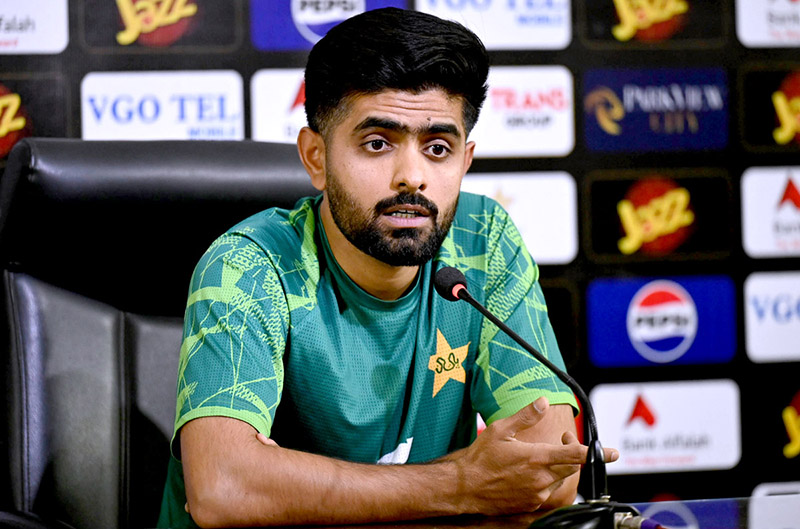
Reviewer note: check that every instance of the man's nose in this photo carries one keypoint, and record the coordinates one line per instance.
(410, 171)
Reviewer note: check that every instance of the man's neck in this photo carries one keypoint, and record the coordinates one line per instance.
(375, 277)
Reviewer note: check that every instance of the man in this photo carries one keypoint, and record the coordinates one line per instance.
(315, 345)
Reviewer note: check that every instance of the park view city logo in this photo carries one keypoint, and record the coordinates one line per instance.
(661, 110)
(544, 207)
(771, 211)
(299, 24)
(655, 216)
(33, 26)
(791, 419)
(277, 104)
(772, 316)
(670, 426)
(14, 122)
(154, 22)
(181, 105)
(768, 23)
(640, 322)
(509, 24)
(528, 112)
(649, 20)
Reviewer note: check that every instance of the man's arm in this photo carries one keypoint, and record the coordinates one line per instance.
(232, 479)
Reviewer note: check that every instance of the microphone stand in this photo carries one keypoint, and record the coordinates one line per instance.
(598, 511)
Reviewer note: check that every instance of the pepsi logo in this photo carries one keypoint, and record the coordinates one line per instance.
(662, 321)
(313, 18)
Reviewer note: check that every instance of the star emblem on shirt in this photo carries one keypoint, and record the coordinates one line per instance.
(447, 363)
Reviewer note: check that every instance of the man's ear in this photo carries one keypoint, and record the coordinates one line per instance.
(311, 147)
(469, 152)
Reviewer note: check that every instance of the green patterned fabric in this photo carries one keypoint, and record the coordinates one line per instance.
(278, 336)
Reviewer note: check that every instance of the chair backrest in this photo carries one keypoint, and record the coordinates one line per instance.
(97, 244)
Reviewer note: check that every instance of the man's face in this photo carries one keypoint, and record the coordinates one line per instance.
(393, 173)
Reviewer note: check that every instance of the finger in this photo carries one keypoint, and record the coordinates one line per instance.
(525, 418)
(568, 454)
(265, 440)
(569, 438)
(186, 507)
(610, 454)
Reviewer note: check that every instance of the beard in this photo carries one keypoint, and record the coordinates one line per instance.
(395, 247)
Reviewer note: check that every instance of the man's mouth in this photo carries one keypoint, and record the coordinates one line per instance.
(406, 211)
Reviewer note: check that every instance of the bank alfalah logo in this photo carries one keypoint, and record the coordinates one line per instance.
(661, 109)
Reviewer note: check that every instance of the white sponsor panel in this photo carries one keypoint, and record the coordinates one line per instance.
(33, 26)
(543, 206)
(670, 426)
(772, 316)
(771, 212)
(768, 23)
(774, 505)
(509, 24)
(182, 105)
(528, 112)
(277, 97)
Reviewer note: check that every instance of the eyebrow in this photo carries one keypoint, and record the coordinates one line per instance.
(390, 124)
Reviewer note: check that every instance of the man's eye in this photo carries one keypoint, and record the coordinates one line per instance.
(438, 150)
(376, 145)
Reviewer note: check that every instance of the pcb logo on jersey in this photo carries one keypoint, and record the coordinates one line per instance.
(662, 321)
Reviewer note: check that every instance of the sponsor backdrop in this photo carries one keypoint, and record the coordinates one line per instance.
(649, 151)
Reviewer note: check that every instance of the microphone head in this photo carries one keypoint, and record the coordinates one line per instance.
(448, 282)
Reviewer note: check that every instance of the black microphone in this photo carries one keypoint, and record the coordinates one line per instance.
(598, 510)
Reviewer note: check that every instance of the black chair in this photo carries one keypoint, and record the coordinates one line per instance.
(97, 244)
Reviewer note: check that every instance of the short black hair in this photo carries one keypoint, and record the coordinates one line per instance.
(398, 49)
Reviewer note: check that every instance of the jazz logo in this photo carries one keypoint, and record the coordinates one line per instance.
(636, 15)
(788, 111)
(654, 209)
(791, 419)
(9, 120)
(146, 16)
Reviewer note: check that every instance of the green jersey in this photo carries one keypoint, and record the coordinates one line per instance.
(278, 336)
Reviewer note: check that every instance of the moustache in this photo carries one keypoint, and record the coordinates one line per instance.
(403, 199)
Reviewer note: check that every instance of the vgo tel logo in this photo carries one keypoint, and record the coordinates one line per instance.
(772, 316)
(649, 20)
(791, 419)
(278, 97)
(655, 216)
(544, 207)
(634, 110)
(162, 105)
(786, 101)
(154, 22)
(768, 23)
(509, 24)
(771, 211)
(528, 113)
(662, 321)
(670, 426)
(14, 122)
(314, 18)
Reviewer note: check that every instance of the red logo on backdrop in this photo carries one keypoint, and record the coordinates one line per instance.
(641, 411)
(649, 20)
(791, 419)
(156, 23)
(790, 194)
(506, 98)
(656, 217)
(14, 122)
(787, 110)
(300, 98)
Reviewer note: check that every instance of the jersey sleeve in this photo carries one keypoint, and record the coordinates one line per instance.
(508, 377)
(234, 337)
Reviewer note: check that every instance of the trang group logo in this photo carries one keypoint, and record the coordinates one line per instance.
(509, 24)
(768, 23)
(661, 110)
(185, 105)
(771, 212)
(670, 426)
(772, 316)
(14, 121)
(33, 26)
(646, 322)
(528, 112)
(662, 321)
(655, 216)
(544, 207)
(277, 103)
(299, 24)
